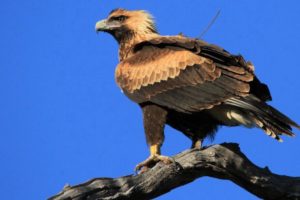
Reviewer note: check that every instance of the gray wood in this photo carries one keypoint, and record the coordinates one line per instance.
(224, 161)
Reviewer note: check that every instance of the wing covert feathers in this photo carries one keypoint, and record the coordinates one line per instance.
(177, 77)
(154, 65)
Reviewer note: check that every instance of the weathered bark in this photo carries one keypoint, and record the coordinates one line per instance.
(224, 161)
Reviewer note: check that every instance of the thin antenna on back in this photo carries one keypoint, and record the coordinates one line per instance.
(210, 24)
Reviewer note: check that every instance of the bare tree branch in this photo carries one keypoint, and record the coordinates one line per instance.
(224, 161)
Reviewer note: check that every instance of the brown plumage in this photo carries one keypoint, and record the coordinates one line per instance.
(187, 83)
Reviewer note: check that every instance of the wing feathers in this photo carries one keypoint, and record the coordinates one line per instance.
(172, 76)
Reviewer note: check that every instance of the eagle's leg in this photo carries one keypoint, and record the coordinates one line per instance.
(197, 144)
(154, 122)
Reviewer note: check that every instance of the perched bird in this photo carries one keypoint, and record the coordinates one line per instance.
(186, 83)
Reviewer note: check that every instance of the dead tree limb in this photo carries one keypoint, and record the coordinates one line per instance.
(224, 161)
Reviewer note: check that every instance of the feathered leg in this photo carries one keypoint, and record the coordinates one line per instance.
(154, 122)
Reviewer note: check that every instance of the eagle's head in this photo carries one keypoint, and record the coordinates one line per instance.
(123, 24)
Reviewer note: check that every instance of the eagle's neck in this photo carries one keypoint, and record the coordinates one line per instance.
(129, 40)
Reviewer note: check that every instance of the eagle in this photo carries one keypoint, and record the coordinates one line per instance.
(188, 84)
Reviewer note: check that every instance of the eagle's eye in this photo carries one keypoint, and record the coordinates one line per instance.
(120, 18)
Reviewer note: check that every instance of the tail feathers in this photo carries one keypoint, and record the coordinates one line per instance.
(272, 121)
(282, 117)
(273, 129)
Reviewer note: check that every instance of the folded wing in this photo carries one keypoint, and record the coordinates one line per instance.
(177, 74)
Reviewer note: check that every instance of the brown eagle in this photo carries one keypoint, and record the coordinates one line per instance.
(187, 83)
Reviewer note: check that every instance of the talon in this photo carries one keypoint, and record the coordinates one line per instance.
(144, 169)
(154, 158)
(151, 161)
(145, 163)
(165, 159)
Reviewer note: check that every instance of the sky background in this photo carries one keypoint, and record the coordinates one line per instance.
(64, 120)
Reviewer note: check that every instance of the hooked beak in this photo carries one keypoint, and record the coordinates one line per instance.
(102, 26)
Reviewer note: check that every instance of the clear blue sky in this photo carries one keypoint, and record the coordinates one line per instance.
(64, 120)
